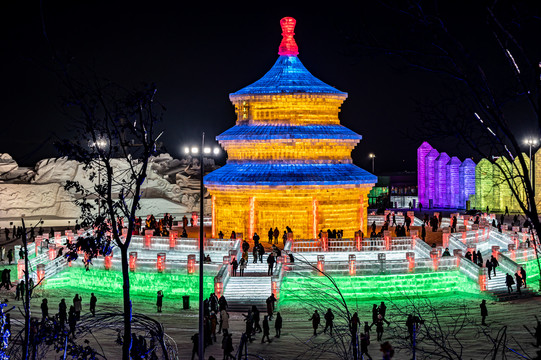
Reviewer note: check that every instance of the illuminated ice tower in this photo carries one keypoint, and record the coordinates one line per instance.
(289, 159)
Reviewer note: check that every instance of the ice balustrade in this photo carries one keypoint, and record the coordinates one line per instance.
(471, 270)
(353, 245)
(520, 255)
(380, 266)
(422, 249)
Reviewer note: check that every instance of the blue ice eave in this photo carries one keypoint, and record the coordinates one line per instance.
(288, 75)
(274, 132)
(272, 174)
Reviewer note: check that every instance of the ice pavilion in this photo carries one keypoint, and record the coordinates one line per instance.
(289, 159)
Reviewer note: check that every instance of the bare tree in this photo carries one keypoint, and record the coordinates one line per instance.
(114, 137)
(481, 83)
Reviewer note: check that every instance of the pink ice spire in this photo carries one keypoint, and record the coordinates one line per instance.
(288, 46)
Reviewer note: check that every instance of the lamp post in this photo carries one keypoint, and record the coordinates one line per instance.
(531, 142)
(194, 150)
(100, 144)
(373, 157)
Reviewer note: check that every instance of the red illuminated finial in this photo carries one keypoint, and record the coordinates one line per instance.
(288, 46)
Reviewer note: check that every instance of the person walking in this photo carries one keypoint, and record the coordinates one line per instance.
(379, 330)
(270, 262)
(224, 316)
(495, 264)
(93, 301)
(261, 252)
(509, 282)
(256, 239)
(365, 341)
(270, 234)
(354, 325)
(276, 234)
(62, 312)
(315, 321)
(329, 317)
(278, 324)
(266, 329)
(256, 315)
(242, 265)
(489, 267)
(10, 256)
(382, 310)
(44, 310)
(255, 251)
(159, 301)
(518, 280)
(227, 345)
(484, 311)
(523, 275)
(72, 320)
(234, 265)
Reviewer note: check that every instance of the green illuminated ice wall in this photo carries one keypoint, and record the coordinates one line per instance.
(142, 284)
(379, 287)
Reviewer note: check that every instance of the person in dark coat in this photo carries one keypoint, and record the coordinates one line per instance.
(195, 347)
(315, 321)
(479, 258)
(509, 282)
(256, 239)
(44, 310)
(365, 341)
(93, 301)
(382, 310)
(270, 262)
(6, 279)
(256, 316)
(329, 317)
(159, 301)
(484, 311)
(234, 265)
(245, 246)
(423, 232)
(270, 234)
(62, 312)
(255, 252)
(227, 344)
(494, 264)
(72, 321)
(222, 303)
(523, 275)
(278, 324)
(489, 267)
(261, 252)
(266, 329)
(276, 234)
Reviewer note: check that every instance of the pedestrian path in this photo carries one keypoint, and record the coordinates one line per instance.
(253, 288)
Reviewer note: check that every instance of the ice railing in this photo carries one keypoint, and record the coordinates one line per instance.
(281, 267)
(381, 266)
(353, 245)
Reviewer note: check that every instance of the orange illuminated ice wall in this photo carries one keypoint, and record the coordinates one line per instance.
(289, 159)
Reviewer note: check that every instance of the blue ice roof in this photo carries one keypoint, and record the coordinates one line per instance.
(273, 132)
(288, 75)
(276, 174)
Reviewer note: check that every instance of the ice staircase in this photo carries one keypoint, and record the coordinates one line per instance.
(241, 292)
(496, 284)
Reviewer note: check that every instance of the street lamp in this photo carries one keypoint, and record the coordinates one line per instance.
(100, 144)
(373, 157)
(531, 142)
(194, 150)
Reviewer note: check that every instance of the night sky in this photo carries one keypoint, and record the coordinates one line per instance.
(197, 58)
